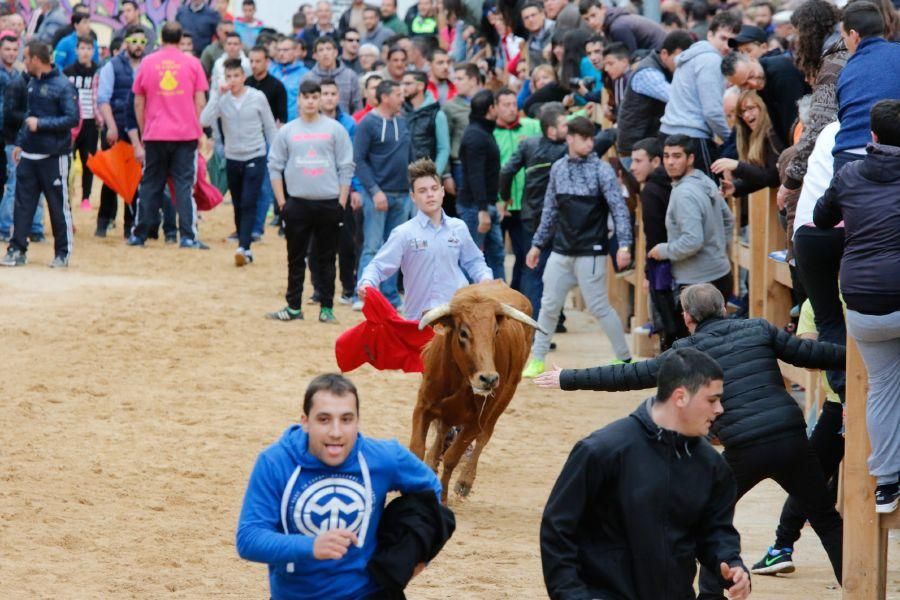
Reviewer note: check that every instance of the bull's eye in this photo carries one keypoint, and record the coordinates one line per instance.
(463, 335)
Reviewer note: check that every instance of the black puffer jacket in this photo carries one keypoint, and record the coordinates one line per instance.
(536, 155)
(633, 511)
(54, 101)
(757, 406)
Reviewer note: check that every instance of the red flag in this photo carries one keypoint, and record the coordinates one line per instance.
(385, 340)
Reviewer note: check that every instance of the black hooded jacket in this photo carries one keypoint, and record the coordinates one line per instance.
(633, 510)
(757, 406)
(864, 194)
(536, 155)
(654, 204)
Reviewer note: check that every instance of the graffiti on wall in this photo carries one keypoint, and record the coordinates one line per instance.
(104, 13)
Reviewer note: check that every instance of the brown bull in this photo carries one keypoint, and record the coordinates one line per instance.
(472, 369)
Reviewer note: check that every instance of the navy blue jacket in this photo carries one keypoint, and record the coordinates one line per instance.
(872, 73)
(53, 100)
(201, 25)
(864, 195)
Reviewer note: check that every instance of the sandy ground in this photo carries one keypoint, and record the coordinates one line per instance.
(140, 384)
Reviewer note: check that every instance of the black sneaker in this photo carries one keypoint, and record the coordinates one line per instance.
(776, 560)
(134, 240)
(14, 258)
(37, 238)
(886, 498)
(171, 239)
(232, 238)
(560, 328)
(100, 232)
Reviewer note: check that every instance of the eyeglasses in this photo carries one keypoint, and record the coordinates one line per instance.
(137, 41)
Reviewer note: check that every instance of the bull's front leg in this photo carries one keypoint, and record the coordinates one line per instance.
(420, 423)
(433, 458)
(451, 458)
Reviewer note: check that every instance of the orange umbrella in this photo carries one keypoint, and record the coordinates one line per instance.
(118, 169)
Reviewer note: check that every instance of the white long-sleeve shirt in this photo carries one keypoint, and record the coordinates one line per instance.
(430, 258)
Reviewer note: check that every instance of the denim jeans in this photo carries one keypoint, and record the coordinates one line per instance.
(9, 200)
(377, 226)
(264, 202)
(245, 179)
(533, 284)
(491, 243)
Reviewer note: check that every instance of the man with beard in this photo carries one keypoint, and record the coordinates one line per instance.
(115, 106)
(428, 129)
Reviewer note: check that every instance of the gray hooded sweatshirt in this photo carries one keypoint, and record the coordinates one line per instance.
(698, 224)
(695, 104)
(314, 159)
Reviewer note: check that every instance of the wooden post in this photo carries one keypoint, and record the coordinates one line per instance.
(758, 217)
(865, 540)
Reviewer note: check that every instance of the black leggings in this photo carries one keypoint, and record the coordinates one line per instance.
(86, 146)
(818, 254)
(793, 464)
(828, 443)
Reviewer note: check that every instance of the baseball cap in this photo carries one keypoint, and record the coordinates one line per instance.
(749, 33)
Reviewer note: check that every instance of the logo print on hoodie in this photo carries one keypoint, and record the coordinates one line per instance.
(330, 503)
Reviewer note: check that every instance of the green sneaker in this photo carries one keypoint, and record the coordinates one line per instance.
(534, 368)
(285, 314)
(619, 362)
(326, 315)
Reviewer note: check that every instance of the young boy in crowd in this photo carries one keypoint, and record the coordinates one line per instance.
(249, 126)
(82, 74)
(582, 192)
(431, 249)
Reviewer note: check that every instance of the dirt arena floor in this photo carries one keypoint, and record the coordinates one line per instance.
(140, 384)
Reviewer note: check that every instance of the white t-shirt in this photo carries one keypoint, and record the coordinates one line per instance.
(819, 171)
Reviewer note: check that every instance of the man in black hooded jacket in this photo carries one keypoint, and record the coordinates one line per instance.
(647, 490)
(763, 429)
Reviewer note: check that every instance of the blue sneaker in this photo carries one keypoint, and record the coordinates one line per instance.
(134, 240)
(776, 560)
(194, 244)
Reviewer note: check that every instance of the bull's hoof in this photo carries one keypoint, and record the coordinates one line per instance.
(463, 488)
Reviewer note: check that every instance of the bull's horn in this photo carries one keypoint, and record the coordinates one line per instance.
(518, 315)
(434, 314)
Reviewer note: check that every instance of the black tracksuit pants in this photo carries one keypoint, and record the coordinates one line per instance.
(828, 443)
(86, 146)
(793, 464)
(48, 176)
(109, 201)
(304, 219)
(347, 253)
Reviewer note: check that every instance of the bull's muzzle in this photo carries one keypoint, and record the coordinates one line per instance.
(485, 382)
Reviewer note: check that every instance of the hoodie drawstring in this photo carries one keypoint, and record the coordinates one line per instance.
(285, 498)
(367, 501)
(383, 129)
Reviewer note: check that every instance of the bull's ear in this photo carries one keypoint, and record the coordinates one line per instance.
(444, 324)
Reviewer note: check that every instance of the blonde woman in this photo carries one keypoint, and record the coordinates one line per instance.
(758, 149)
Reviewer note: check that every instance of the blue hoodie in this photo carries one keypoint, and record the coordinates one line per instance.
(695, 106)
(290, 76)
(292, 497)
(381, 151)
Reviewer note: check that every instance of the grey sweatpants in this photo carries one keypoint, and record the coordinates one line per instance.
(589, 273)
(878, 338)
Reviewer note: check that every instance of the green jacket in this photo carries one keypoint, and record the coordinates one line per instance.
(397, 24)
(508, 140)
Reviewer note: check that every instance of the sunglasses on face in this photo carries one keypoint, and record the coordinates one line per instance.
(137, 41)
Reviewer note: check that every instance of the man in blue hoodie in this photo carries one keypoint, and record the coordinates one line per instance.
(315, 498)
(381, 152)
(695, 107)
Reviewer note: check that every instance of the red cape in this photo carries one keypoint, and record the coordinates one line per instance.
(385, 340)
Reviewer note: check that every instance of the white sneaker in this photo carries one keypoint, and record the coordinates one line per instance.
(242, 257)
(357, 306)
